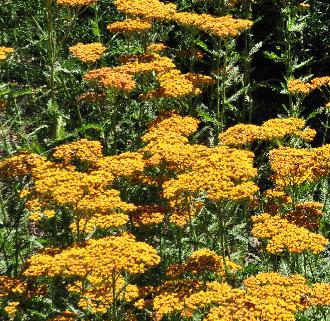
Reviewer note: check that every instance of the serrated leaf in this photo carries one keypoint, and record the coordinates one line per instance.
(302, 64)
(23, 92)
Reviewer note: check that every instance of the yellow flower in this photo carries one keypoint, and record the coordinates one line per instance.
(4, 52)
(284, 235)
(11, 309)
(148, 9)
(89, 52)
(130, 26)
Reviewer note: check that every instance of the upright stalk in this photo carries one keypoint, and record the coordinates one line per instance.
(247, 99)
(51, 51)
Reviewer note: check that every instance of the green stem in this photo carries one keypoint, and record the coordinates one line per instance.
(247, 99)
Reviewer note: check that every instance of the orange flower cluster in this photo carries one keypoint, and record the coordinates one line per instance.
(65, 316)
(11, 309)
(221, 172)
(5, 51)
(19, 165)
(156, 47)
(111, 78)
(147, 215)
(76, 3)
(200, 262)
(294, 166)
(171, 296)
(101, 263)
(240, 134)
(284, 235)
(129, 26)
(89, 52)
(296, 86)
(307, 214)
(174, 84)
(223, 27)
(226, 26)
(170, 124)
(82, 150)
(275, 199)
(320, 81)
(267, 297)
(63, 184)
(149, 9)
(278, 128)
(10, 286)
(121, 77)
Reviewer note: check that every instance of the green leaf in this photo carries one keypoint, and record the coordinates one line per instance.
(95, 28)
(203, 45)
(273, 56)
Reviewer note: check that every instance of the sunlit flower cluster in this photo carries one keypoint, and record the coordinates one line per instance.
(101, 263)
(266, 296)
(221, 172)
(277, 128)
(129, 26)
(5, 51)
(294, 166)
(10, 286)
(64, 316)
(174, 84)
(79, 179)
(147, 215)
(149, 9)
(82, 150)
(200, 262)
(284, 235)
(296, 86)
(88, 52)
(121, 77)
(11, 309)
(111, 78)
(223, 27)
(156, 47)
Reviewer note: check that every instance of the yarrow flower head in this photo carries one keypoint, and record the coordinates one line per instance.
(284, 235)
(148, 9)
(130, 26)
(223, 27)
(89, 52)
(272, 129)
(5, 51)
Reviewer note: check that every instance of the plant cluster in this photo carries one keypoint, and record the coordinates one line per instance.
(141, 178)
